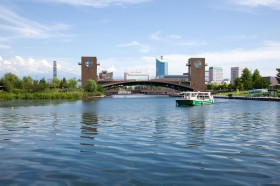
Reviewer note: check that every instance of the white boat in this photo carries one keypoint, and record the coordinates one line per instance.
(195, 99)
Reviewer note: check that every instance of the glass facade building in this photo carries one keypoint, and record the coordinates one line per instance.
(161, 68)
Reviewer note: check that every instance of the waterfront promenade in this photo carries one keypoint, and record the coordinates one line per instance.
(248, 98)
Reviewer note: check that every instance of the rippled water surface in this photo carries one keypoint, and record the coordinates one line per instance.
(139, 141)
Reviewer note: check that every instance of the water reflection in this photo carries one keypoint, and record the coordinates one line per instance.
(161, 125)
(140, 142)
(55, 124)
(27, 103)
(89, 124)
(196, 127)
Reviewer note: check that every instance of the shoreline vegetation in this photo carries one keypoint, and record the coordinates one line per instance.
(13, 88)
(76, 95)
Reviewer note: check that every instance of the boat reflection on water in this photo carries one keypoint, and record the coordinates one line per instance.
(89, 131)
(196, 127)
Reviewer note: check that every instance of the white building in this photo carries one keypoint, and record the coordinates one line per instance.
(216, 75)
(135, 76)
(235, 73)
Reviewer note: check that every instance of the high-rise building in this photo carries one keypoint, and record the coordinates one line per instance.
(54, 69)
(206, 76)
(236, 72)
(216, 75)
(161, 67)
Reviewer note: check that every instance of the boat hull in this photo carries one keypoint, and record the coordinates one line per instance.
(184, 102)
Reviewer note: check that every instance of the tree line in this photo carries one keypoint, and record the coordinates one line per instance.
(13, 84)
(247, 81)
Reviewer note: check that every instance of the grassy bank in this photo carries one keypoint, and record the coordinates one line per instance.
(244, 94)
(76, 95)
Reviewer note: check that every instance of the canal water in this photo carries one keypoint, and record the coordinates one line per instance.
(139, 140)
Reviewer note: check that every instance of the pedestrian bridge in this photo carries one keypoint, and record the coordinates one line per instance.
(175, 85)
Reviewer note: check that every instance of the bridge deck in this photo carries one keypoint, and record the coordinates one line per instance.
(176, 85)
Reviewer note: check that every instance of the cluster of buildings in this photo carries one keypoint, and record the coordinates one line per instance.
(212, 74)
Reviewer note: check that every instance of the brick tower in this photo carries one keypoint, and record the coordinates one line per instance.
(89, 69)
(197, 73)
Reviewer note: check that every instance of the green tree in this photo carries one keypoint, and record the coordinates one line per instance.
(213, 86)
(238, 84)
(1, 82)
(247, 79)
(55, 82)
(72, 83)
(35, 85)
(63, 83)
(278, 75)
(10, 82)
(231, 86)
(43, 85)
(27, 83)
(90, 86)
(224, 86)
(258, 81)
(100, 88)
(265, 83)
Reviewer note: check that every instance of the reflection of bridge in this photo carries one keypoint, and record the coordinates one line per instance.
(176, 85)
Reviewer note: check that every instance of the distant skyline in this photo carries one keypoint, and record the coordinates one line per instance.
(128, 35)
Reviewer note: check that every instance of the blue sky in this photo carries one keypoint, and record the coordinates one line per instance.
(128, 35)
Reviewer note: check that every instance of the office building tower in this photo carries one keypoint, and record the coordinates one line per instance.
(216, 75)
(235, 72)
(161, 67)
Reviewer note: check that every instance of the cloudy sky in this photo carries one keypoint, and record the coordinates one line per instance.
(128, 35)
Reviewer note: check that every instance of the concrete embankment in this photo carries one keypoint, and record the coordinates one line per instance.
(249, 98)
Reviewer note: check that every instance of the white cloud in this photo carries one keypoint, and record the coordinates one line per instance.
(242, 37)
(157, 36)
(191, 43)
(274, 4)
(141, 47)
(38, 68)
(25, 66)
(174, 36)
(96, 3)
(17, 26)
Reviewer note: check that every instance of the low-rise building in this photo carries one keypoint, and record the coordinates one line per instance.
(136, 76)
(272, 80)
(105, 75)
